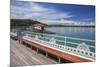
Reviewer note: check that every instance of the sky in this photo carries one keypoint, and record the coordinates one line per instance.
(53, 13)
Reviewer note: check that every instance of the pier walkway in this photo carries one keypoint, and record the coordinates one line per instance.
(23, 56)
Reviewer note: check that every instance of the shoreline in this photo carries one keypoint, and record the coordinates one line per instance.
(68, 26)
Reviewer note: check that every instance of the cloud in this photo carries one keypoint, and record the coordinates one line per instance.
(66, 22)
(49, 15)
(37, 12)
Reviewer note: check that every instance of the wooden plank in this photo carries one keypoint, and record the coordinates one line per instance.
(23, 56)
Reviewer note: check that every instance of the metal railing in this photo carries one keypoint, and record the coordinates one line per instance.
(82, 47)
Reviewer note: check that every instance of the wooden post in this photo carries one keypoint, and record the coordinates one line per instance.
(47, 54)
(31, 47)
(26, 44)
(37, 50)
(20, 42)
(59, 60)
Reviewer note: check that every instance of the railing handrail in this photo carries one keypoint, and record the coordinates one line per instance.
(71, 49)
(66, 37)
(70, 42)
(78, 43)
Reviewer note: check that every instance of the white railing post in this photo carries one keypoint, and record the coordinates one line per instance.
(36, 36)
(65, 40)
(53, 41)
(26, 35)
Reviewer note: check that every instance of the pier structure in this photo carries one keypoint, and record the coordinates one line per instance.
(64, 48)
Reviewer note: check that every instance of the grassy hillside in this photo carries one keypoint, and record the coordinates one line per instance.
(22, 22)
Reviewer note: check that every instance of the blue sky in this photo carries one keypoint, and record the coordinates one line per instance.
(68, 13)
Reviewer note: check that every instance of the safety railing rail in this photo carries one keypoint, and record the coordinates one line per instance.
(82, 48)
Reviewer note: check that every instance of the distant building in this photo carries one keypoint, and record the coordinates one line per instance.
(39, 27)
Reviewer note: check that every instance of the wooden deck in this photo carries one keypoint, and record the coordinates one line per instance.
(23, 56)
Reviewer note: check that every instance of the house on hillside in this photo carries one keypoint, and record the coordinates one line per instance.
(39, 27)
